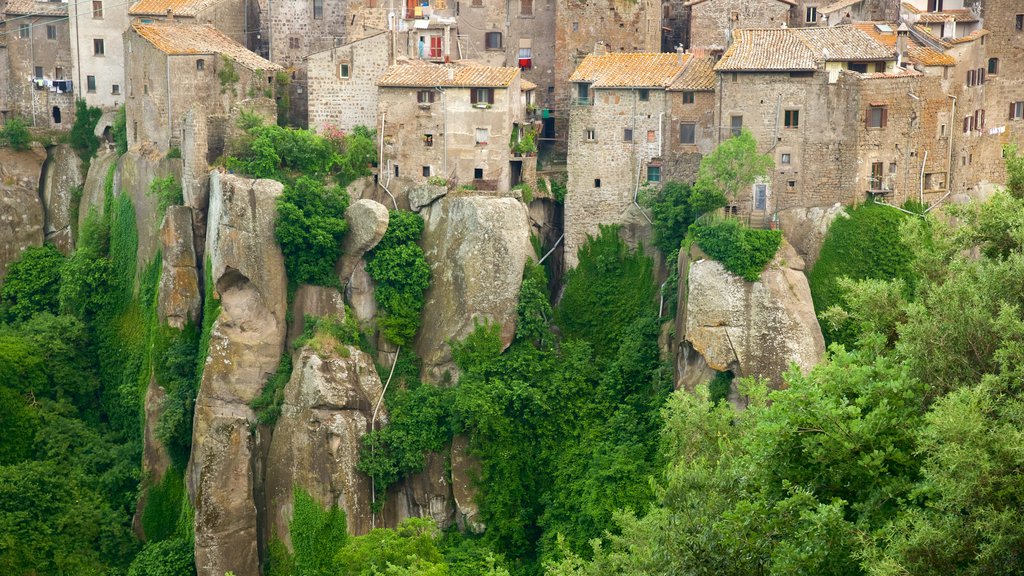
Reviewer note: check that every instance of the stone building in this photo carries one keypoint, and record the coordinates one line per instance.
(811, 13)
(236, 19)
(37, 57)
(618, 139)
(342, 83)
(712, 21)
(174, 68)
(455, 122)
(97, 50)
(690, 129)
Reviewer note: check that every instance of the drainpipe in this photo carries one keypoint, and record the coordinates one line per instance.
(661, 141)
(949, 162)
(167, 87)
(921, 179)
(78, 48)
(444, 115)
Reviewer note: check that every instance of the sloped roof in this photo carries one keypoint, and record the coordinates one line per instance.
(796, 49)
(428, 75)
(31, 7)
(949, 42)
(188, 8)
(526, 85)
(695, 2)
(181, 38)
(959, 15)
(916, 51)
(699, 75)
(836, 6)
(630, 70)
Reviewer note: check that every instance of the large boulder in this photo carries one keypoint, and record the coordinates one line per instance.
(317, 301)
(465, 472)
(476, 247)
(63, 175)
(426, 494)
(367, 223)
(748, 328)
(359, 293)
(423, 195)
(246, 342)
(136, 171)
(22, 216)
(92, 190)
(328, 406)
(179, 301)
(805, 228)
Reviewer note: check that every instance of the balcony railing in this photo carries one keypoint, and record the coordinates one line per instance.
(582, 101)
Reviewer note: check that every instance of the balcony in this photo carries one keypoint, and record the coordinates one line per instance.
(582, 101)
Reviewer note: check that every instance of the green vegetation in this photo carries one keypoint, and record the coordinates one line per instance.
(731, 168)
(32, 284)
(83, 133)
(673, 208)
(310, 226)
(743, 251)
(1014, 170)
(228, 74)
(526, 191)
(525, 143)
(282, 83)
(167, 191)
(119, 130)
(15, 134)
(401, 274)
(174, 153)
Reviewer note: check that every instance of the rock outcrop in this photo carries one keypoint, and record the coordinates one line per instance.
(426, 494)
(21, 212)
(179, 300)
(805, 229)
(749, 328)
(246, 342)
(92, 190)
(318, 301)
(359, 295)
(423, 195)
(328, 406)
(136, 171)
(476, 247)
(465, 470)
(367, 223)
(63, 174)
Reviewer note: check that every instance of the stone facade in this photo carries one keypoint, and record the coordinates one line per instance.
(1004, 87)
(712, 21)
(38, 53)
(236, 19)
(342, 83)
(99, 75)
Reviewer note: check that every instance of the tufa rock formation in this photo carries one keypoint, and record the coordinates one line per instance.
(179, 300)
(246, 342)
(21, 212)
(805, 229)
(423, 195)
(313, 301)
(62, 174)
(476, 247)
(367, 222)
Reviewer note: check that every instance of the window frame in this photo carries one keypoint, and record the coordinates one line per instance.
(591, 134)
(627, 134)
(692, 133)
(791, 119)
(97, 9)
(476, 93)
(344, 70)
(810, 14)
(643, 94)
(689, 97)
(425, 97)
(24, 31)
(489, 43)
(785, 159)
(98, 47)
(90, 84)
(1017, 110)
(486, 134)
(735, 129)
(993, 66)
(657, 172)
(882, 119)
(51, 32)
(318, 9)
(526, 8)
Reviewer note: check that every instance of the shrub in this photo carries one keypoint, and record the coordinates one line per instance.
(310, 226)
(119, 130)
(16, 135)
(32, 284)
(526, 190)
(673, 209)
(167, 192)
(720, 386)
(316, 535)
(174, 153)
(83, 132)
(743, 251)
(400, 271)
(165, 558)
(227, 73)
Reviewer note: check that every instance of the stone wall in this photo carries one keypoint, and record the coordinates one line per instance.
(108, 68)
(41, 108)
(347, 102)
(682, 161)
(712, 21)
(1006, 44)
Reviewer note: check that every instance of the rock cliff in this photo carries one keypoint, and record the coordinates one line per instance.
(61, 176)
(21, 211)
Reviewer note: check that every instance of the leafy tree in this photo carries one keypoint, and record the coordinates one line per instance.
(119, 130)
(730, 169)
(310, 226)
(1014, 170)
(316, 534)
(673, 212)
(15, 134)
(167, 191)
(83, 133)
(411, 549)
(174, 557)
(743, 251)
(401, 273)
(32, 283)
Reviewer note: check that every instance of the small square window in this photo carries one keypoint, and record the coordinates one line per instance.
(687, 97)
(115, 89)
(294, 43)
(478, 173)
(993, 65)
(526, 7)
(786, 159)
(426, 171)
(1016, 110)
(687, 133)
(90, 84)
(39, 71)
(23, 30)
(51, 32)
(425, 96)
(200, 65)
(343, 71)
(627, 134)
(482, 136)
(97, 46)
(492, 40)
(792, 119)
(428, 140)
(396, 171)
(654, 173)
(576, 25)
(876, 117)
(791, 184)
(97, 9)
(651, 135)
(591, 134)
(1019, 25)
(597, 182)
(811, 14)
(644, 95)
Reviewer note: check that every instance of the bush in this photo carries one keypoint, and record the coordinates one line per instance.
(316, 535)
(673, 210)
(743, 251)
(400, 271)
(16, 135)
(119, 130)
(165, 558)
(83, 132)
(720, 386)
(32, 284)
(167, 192)
(310, 226)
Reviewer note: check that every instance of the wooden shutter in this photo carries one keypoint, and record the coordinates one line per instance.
(885, 116)
(472, 96)
(967, 124)
(1012, 109)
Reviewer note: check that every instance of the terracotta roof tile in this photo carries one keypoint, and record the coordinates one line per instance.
(694, 2)
(794, 49)
(425, 74)
(188, 8)
(181, 38)
(836, 6)
(32, 7)
(630, 70)
(916, 51)
(949, 42)
(525, 85)
(939, 17)
(699, 75)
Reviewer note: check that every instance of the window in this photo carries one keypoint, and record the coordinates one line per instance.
(687, 97)
(526, 7)
(644, 95)
(591, 134)
(597, 182)
(935, 5)
(627, 134)
(426, 171)
(428, 140)
(425, 96)
(892, 167)
(1020, 22)
(482, 136)
(481, 96)
(478, 2)
(90, 84)
(23, 30)
(760, 196)
(39, 71)
(967, 123)
(478, 173)
(1016, 110)
(792, 119)
(876, 116)
(396, 170)
(811, 16)
(200, 65)
(651, 135)
(993, 65)
(51, 32)
(576, 26)
(318, 9)
(787, 159)
(435, 46)
(687, 133)
(97, 9)
(115, 89)
(583, 93)
(654, 173)
(735, 125)
(791, 184)
(97, 46)
(970, 78)
(526, 58)
(294, 43)
(877, 169)
(343, 70)
(492, 40)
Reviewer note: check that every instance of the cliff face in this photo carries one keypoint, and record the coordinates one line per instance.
(21, 210)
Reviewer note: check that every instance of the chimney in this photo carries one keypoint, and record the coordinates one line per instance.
(902, 37)
(680, 54)
(170, 14)
(451, 73)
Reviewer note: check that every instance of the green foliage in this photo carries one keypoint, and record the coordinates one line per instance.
(534, 308)
(285, 154)
(1014, 170)
(268, 404)
(281, 93)
(867, 245)
(167, 191)
(119, 130)
(731, 168)
(673, 209)
(174, 153)
(83, 133)
(316, 535)
(526, 191)
(720, 386)
(227, 73)
(401, 274)
(310, 226)
(525, 144)
(163, 507)
(15, 134)
(32, 284)
(607, 291)
(743, 251)
(174, 367)
(173, 557)
(411, 549)
(558, 189)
